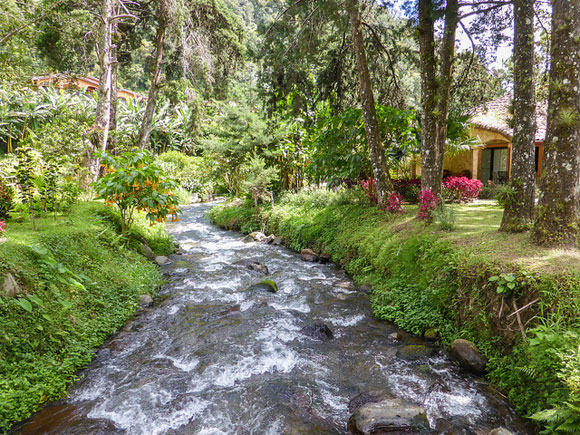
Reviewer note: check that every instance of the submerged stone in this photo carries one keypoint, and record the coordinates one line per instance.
(266, 285)
(415, 351)
(254, 265)
(363, 398)
(388, 416)
(318, 331)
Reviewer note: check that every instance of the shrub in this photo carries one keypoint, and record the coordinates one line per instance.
(369, 186)
(395, 203)
(461, 189)
(134, 183)
(428, 203)
(2, 227)
(6, 198)
(409, 188)
(488, 192)
(258, 179)
(26, 173)
(192, 173)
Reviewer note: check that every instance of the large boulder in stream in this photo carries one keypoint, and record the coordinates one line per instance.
(500, 431)
(266, 285)
(309, 255)
(468, 356)
(318, 331)
(391, 416)
(373, 396)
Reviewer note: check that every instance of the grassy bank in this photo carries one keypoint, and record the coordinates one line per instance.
(79, 282)
(472, 282)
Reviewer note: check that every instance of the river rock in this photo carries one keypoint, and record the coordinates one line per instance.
(500, 431)
(148, 252)
(277, 241)
(388, 416)
(468, 356)
(248, 239)
(145, 301)
(363, 398)
(318, 331)
(161, 260)
(309, 255)
(195, 198)
(269, 286)
(415, 351)
(258, 236)
(396, 336)
(10, 286)
(254, 265)
(365, 288)
(324, 258)
(270, 239)
(347, 285)
(431, 334)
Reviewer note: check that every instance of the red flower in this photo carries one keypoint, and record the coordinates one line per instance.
(428, 202)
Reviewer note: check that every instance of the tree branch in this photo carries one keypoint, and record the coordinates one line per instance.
(280, 15)
(472, 58)
(482, 11)
(391, 66)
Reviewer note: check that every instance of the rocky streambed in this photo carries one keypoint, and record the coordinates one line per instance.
(247, 338)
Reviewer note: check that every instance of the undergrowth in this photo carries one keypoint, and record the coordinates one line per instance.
(79, 283)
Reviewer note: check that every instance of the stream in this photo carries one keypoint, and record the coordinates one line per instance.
(212, 358)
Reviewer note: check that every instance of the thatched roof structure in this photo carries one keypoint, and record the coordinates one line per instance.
(496, 116)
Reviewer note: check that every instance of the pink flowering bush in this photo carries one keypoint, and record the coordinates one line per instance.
(461, 189)
(428, 202)
(395, 203)
(369, 186)
(2, 227)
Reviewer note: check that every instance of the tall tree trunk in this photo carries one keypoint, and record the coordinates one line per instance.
(445, 79)
(519, 215)
(103, 112)
(147, 124)
(556, 221)
(435, 90)
(430, 178)
(114, 97)
(376, 151)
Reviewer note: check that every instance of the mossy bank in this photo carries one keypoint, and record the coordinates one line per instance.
(75, 281)
(518, 303)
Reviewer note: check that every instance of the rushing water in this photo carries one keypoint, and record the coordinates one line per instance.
(211, 358)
